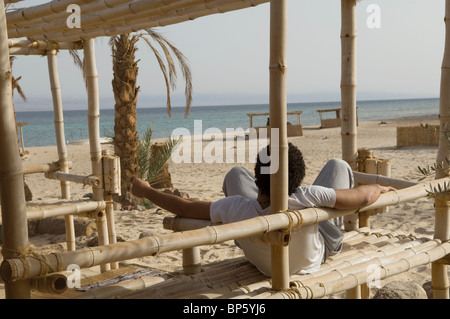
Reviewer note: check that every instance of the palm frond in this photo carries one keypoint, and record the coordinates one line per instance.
(183, 63)
(166, 75)
(151, 165)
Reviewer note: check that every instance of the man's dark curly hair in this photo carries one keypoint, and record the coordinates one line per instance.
(296, 170)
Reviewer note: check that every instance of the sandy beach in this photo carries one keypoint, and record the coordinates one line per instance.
(204, 181)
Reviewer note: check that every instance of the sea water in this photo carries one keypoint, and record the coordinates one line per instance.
(40, 129)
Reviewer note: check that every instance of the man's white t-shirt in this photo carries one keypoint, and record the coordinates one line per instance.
(306, 248)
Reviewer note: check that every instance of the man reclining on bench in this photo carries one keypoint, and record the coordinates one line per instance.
(248, 196)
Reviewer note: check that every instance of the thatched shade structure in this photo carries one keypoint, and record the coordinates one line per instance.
(46, 29)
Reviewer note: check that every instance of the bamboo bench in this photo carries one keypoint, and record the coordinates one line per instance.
(333, 122)
(389, 253)
(292, 129)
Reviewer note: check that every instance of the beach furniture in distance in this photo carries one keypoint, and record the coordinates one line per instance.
(332, 122)
(19, 129)
(292, 129)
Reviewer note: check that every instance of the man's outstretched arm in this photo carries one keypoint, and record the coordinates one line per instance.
(174, 204)
(360, 196)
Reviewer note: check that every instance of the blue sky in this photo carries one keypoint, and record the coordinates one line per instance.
(229, 55)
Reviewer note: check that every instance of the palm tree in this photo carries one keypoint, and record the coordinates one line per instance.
(126, 137)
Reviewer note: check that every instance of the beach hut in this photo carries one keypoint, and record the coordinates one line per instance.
(46, 30)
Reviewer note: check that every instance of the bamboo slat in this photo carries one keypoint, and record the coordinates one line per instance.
(356, 278)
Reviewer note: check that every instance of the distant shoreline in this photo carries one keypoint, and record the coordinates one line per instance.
(410, 120)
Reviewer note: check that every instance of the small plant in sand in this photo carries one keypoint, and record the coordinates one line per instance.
(437, 169)
(151, 164)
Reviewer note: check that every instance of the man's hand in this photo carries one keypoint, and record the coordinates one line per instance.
(385, 189)
(360, 196)
(140, 188)
(175, 204)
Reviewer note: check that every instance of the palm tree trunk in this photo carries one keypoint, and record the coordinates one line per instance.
(126, 139)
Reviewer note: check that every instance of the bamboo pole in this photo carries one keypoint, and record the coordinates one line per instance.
(80, 179)
(15, 230)
(439, 274)
(61, 209)
(94, 137)
(348, 81)
(44, 45)
(278, 142)
(15, 268)
(444, 99)
(364, 178)
(191, 260)
(440, 280)
(348, 91)
(43, 168)
(111, 178)
(60, 141)
(53, 283)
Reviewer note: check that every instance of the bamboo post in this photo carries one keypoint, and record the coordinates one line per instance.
(15, 230)
(191, 261)
(278, 117)
(348, 90)
(94, 137)
(111, 173)
(444, 101)
(60, 141)
(439, 277)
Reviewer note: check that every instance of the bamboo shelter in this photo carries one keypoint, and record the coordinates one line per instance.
(43, 30)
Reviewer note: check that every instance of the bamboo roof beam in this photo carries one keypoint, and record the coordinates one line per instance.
(26, 51)
(76, 34)
(44, 45)
(55, 10)
(15, 268)
(128, 13)
(125, 11)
